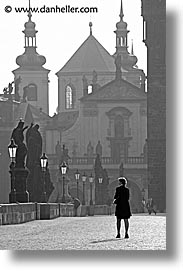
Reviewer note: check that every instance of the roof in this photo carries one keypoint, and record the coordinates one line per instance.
(116, 90)
(63, 120)
(91, 55)
(30, 113)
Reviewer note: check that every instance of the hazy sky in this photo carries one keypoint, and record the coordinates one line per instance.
(59, 35)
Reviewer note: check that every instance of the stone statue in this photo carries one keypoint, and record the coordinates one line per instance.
(34, 141)
(17, 83)
(10, 88)
(25, 90)
(85, 85)
(18, 137)
(98, 149)
(98, 166)
(28, 133)
(95, 77)
(89, 149)
(58, 150)
(65, 155)
(94, 81)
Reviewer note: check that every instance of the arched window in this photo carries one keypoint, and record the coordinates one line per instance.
(69, 104)
(30, 92)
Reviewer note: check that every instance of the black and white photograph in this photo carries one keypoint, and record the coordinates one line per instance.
(83, 123)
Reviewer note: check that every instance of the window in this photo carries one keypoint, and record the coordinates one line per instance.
(119, 126)
(89, 89)
(69, 97)
(30, 92)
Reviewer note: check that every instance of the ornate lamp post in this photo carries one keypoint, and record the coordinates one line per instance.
(101, 195)
(77, 175)
(84, 181)
(12, 148)
(44, 161)
(91, 182)
(63, 169)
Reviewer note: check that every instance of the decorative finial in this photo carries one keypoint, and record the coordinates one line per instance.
(121, 11)
(29, 13)
(90, 25)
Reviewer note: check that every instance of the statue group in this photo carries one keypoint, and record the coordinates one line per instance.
(28, 155)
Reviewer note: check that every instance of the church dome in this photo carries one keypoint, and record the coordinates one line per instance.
(30, 59)
(132, 60)
(30, 28)
(121, 25)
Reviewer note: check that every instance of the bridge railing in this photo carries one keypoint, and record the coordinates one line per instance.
(104, 160)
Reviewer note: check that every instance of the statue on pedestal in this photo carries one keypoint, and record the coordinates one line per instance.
(18, 137)
(99, 149)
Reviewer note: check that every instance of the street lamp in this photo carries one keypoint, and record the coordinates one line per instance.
(91, 182)
(84, 181)
(44, 161)
(77, 175)
(12, 148)
(100, 179)
(63, 169)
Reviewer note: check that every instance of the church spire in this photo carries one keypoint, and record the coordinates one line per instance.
(121, 11)
(30, 59)
(121, 34)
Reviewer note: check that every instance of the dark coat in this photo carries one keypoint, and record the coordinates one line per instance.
(121, 198)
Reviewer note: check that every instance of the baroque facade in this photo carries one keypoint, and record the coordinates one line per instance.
(101, 111)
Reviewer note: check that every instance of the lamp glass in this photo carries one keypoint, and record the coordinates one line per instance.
(91, 179)
(84, 178)
(12, 148)
(63, 168)
(77, 175)
(44, 160)
(100, 179)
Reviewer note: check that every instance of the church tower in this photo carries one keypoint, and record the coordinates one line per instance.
(31, 75)
(131, 72)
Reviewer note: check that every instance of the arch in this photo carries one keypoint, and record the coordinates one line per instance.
(135, 195)
(124, 112)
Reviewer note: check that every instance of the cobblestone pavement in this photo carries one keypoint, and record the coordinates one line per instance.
(85, 233)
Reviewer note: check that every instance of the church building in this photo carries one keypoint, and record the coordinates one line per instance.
(99, 107)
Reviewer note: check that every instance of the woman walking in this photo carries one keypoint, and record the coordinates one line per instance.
(122, 212)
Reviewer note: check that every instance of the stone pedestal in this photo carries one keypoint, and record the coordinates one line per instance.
(20, 175)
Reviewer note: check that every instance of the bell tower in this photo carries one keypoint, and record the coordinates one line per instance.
(33, 77)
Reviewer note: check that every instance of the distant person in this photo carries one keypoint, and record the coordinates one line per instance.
(77, 204)
(121, 199)
(150, 206)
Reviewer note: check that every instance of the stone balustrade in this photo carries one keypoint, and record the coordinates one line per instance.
(84, 160)
(17, 213)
